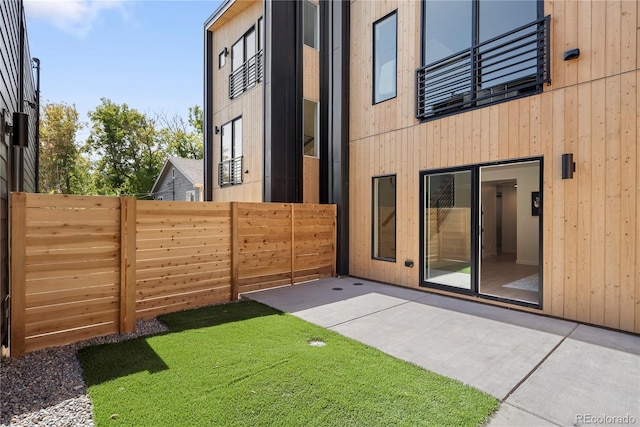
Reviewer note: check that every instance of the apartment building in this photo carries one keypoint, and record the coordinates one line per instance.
(480, 149)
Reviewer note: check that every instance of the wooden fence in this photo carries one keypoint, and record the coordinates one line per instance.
(85, 266)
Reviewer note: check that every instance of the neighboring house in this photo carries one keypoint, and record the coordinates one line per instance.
(180, 179)
(18, 101)
(447, 133)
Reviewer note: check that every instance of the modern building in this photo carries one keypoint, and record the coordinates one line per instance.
(19, 105)
(480, 149)
(180, 179)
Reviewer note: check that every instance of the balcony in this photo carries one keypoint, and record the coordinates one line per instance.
(513, 64)
(230, 172)
(247, 75)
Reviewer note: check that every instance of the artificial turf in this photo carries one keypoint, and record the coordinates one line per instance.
(246, 364)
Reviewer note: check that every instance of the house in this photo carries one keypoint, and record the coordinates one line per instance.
(179, 179)
(19, 105)
(478, 149)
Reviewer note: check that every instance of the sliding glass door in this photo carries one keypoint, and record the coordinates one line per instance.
(481, 230)
(447, 229)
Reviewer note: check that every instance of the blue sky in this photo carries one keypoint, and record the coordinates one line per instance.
(147, 54)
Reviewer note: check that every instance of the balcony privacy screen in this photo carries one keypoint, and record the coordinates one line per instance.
(230, 171)
(247, 75)
(503, 67)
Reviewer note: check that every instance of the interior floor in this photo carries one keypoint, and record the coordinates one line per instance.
(499, 273)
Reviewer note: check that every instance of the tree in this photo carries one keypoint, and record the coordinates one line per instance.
(181, 139)
(62, 168)
(126, 145)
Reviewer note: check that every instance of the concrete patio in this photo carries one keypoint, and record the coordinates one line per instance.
(544, 371)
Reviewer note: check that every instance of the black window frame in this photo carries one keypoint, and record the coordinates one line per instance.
(543, 66)
(250, 71)
(307, 3)
(222, 59)
(235, 177)
(374, 216)
(373, 58)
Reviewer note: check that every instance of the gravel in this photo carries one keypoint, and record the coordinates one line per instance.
(46, 387)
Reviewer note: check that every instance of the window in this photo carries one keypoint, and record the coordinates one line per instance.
(191, 196)
(477, 52)
(310, 126)
(246, 62)
(384, 217)
(260, 34)
(222, 58)
(230, 166)
(385, 46)
(310, 24)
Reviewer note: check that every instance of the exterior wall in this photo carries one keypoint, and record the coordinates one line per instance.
(591, 223)
(227, 30)
(11, 18)
(176, 188)
(311, 91)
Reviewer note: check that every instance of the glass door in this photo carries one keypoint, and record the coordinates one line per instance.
(448, 229)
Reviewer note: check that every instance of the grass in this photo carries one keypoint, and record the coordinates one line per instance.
(246, 364)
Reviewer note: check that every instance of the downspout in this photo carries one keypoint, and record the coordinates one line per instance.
(36, 64)
(18, 154)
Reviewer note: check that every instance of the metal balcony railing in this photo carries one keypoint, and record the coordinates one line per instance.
(506, 66)
(230, 171)
(247, 75)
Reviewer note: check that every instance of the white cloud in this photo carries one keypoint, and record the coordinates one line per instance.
(73, 16)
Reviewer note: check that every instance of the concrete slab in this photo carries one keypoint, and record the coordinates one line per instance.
(509, 416)
(487, 354)
(592, 375)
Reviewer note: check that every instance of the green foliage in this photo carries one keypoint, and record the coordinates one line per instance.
(123, 154)
(125, 144)
(246, 364)
(181, 139)
(62, 167)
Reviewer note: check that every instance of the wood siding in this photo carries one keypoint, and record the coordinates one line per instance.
(591, 223)
(249, 105)
(11, 17)
(85, 266)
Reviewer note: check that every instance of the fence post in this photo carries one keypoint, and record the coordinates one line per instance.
(293, 249)
(235, 251)
(127, 264)
(18, 277)
(334, 261)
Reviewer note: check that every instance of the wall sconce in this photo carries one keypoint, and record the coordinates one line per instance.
(226, 52)
(216, 130)
(568, 166)
(571, 54)
(20, 130)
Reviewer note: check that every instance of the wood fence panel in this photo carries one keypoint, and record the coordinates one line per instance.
(314, 236)
(264, 245)
(183, 256)
(88, 266)
(66, 272)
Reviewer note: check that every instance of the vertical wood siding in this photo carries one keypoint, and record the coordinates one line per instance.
(240, 17)
(591, 224)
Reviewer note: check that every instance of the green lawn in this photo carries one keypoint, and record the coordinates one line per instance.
(246, 364)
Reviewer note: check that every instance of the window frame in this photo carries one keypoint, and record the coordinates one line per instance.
(373, 58)
(316, 35)
(190, 195)
(222, 60)
(475, 37)
(232, 127)
(375, 215)
(316, 137)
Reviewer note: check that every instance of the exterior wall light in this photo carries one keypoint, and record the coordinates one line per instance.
(571, 54)
(568, 166)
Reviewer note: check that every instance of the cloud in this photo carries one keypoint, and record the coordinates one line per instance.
(76, 17)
